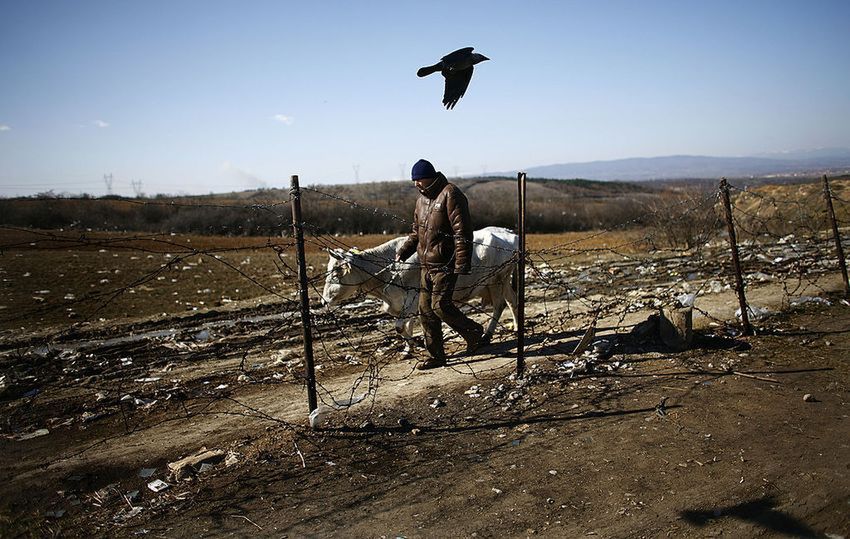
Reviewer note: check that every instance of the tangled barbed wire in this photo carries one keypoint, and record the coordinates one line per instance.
(125, 338)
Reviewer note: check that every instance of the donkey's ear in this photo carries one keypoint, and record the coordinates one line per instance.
(335, 253)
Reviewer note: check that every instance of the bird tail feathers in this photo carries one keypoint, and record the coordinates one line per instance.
(425, 71)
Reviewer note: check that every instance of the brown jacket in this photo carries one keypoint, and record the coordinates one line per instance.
(442, 229)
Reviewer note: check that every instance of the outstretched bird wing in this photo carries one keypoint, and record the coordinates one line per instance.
(456, 85)
(457, 55)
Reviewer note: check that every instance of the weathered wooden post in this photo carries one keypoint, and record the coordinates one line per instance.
(298, 229)
(736, 261)
(842, 263)
(520, 274)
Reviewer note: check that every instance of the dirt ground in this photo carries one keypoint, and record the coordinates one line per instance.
(735, 437)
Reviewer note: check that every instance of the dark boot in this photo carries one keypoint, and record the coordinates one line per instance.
(431, 363)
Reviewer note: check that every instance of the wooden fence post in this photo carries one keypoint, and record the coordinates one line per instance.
(520, 274)
(842, 263)
(298, 229)
(736, 261)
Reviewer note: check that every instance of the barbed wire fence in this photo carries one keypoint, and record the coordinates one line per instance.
(608, 277)
(572, 297)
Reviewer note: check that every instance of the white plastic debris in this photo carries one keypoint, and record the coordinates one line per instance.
(318, 416)
(754, 312)
(158, 485)
(30, 435)
(231, 459)
(126, 514)
(349, 402)
(687, 300)
(802, 300)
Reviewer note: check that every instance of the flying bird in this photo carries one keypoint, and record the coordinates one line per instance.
(457, 69)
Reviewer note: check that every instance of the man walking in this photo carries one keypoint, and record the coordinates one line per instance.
(442, 236)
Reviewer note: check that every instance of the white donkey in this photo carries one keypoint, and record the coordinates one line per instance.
(374, 273)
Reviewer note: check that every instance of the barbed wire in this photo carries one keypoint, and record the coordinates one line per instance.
(571, 284)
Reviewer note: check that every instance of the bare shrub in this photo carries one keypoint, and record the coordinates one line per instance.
(683, 218)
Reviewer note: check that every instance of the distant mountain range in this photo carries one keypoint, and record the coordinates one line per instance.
(804, 162)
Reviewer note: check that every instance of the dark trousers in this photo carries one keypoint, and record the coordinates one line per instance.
(436, 306)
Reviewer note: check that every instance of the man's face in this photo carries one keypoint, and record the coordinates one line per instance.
(424, 183)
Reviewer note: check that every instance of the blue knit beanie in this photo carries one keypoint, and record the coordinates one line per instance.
(423, 169)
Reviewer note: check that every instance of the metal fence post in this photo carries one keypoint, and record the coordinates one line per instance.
(736, 261)
(842, 263)
(297, 226)
(520, 274)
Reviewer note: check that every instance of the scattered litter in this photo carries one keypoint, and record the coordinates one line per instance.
(687, 300)
(144, 473)
(158, 485)
(187, 466)
(496, 491)
(56, 513)
(754, 313)
(221, 386)
(473, 392)
(603, 349)
(202, 336)
(106, 495)
(231, 459)
(437, 403)
(808, 397)
(318, 416)
(30, 435)
(87, 416)
(352, 360)
(553, 472)
(126, 361)
(351, 401)
(146, 380)
(138, 401)
(661, 407)
(285, 357)
(586, 339)
(802, 300)
(126, 514)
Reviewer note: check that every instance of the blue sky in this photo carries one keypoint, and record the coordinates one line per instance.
(213, 96)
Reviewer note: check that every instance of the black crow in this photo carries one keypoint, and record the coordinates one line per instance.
(457, 69)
